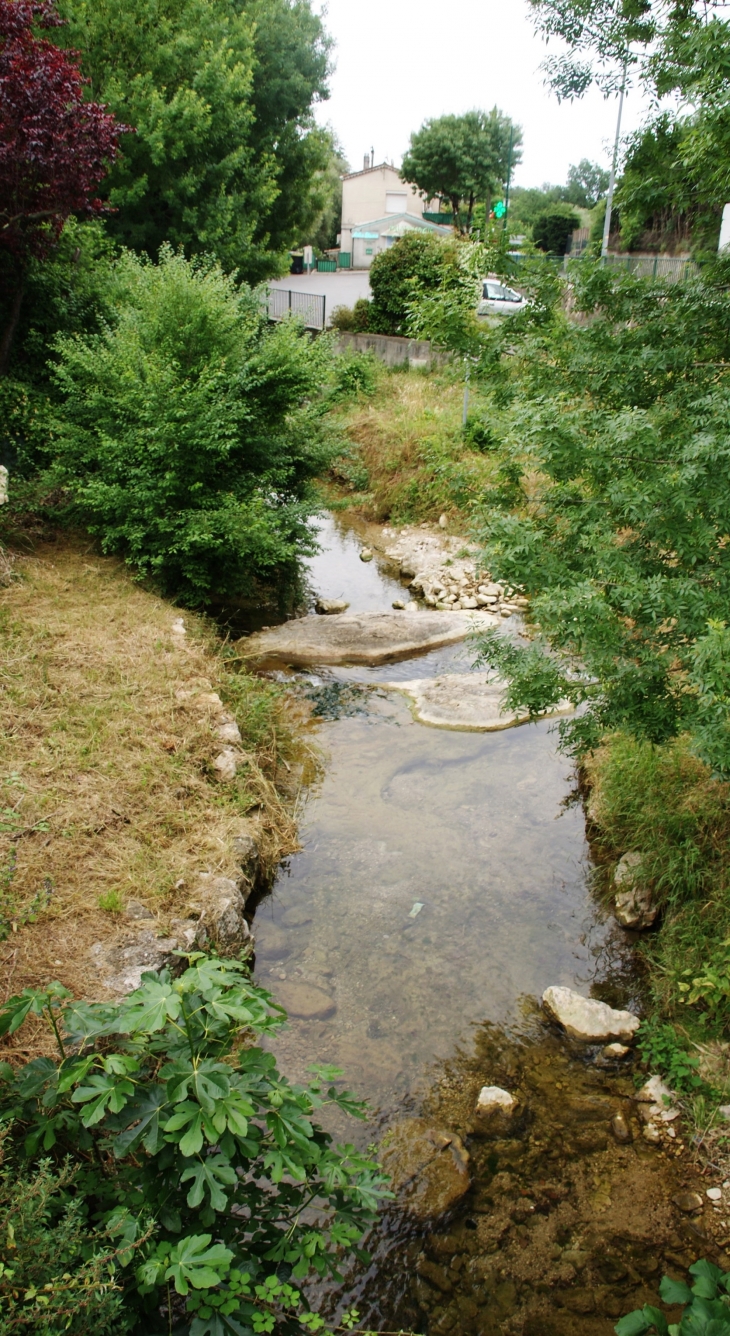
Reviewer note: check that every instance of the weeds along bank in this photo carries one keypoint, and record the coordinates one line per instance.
(406, 457)
(593, 469)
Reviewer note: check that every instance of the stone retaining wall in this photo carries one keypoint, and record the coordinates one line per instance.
(392, 350)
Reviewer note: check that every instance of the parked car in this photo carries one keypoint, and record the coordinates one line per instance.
(498, 299)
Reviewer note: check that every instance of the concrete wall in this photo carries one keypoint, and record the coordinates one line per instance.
(364, 196)
(393, 351)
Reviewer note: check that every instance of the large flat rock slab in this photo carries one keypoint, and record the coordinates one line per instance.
(365, 637)
(466, 701)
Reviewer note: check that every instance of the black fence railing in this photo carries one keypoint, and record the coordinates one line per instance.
(308, 306)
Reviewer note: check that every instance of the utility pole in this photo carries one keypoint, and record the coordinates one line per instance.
(509, 175)
(612, 178)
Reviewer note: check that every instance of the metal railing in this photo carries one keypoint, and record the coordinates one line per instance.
(669, 267)
(307, 306)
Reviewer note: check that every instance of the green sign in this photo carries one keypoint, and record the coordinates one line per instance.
(500, 209)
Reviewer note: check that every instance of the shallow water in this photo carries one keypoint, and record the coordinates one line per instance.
(476, 828)
(443, 881)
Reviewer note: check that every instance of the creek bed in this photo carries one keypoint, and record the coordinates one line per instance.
(443, 883)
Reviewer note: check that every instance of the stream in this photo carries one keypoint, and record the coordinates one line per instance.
(443, 882)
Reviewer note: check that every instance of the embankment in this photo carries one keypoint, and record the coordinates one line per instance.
(139, 766)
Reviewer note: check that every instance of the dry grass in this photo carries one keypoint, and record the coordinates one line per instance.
(107, 789)
(410, 450)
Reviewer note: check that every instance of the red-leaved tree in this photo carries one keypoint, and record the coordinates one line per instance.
(54, 146)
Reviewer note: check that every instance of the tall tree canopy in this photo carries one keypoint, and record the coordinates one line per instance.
(462, 159)
(677, 176)
(221, 95)
(667, 44)
(587, 183)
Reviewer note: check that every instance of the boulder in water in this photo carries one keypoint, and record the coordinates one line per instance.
(587, 1020)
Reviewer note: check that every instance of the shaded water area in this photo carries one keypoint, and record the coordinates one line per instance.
(443, 883)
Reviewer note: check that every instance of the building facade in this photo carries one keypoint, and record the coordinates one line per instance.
(377, 208)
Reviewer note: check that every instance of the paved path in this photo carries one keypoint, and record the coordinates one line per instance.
(340, 289)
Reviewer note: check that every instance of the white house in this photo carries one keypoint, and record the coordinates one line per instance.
(377, 208)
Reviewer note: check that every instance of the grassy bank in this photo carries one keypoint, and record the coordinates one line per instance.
(408, 457)
(109, 790)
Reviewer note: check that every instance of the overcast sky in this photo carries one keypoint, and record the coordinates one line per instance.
(401, 61)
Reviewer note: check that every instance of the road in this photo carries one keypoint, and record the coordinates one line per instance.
(340, 289)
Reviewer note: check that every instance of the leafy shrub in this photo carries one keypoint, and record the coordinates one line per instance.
(706, 1311)
(57, 1273)
(355, 376)
(662, 1051)
(621, 533)
(201, 1162)
(25, 427)
(551, 229)
(72, 291)
(353, 319)
(418, 261)
(187, 435)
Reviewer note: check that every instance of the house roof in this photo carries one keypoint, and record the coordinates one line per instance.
(377, 168)
(397, 223)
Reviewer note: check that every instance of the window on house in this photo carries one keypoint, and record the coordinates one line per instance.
(395, 202)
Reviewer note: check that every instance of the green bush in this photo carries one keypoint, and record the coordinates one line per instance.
(706, 1309)
(616, 440)
(58, 1274)
(418, 261)
(352, 319)
(201, 1163)
(551, 229)
(187, 433)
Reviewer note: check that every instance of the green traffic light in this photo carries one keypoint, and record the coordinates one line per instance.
(500, 209)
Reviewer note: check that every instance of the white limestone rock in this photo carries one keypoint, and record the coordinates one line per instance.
(585, 1019)
(495, 1111)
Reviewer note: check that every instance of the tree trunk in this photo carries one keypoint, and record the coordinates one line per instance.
(469, 215)
(455, 201)
(8, 334)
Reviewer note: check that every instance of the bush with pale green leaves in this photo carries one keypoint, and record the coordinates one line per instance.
(189, 431)
(203, 1168)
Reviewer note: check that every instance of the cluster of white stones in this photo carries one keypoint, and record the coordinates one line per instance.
(442, 571)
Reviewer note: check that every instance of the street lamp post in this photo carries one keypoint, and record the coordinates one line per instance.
(612, 178)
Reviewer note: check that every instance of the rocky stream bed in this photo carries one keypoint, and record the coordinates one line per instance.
(437, 937)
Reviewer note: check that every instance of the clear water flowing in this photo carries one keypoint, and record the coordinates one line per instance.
(443, 876)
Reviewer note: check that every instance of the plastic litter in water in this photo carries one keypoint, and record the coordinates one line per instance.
(417, 907)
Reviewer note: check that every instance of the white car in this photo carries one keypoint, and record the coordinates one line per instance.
(498, 299)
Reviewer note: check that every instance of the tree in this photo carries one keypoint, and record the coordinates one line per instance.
(613, 507)
(420, 261)
(187, 433)
(55, 147)
(462, 159)
(551, 230)
(322, 232)
(666, 46)
(226, 152)
(291, 67)
(587, 183)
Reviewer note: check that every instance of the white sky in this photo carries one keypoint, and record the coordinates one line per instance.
(401, 61)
